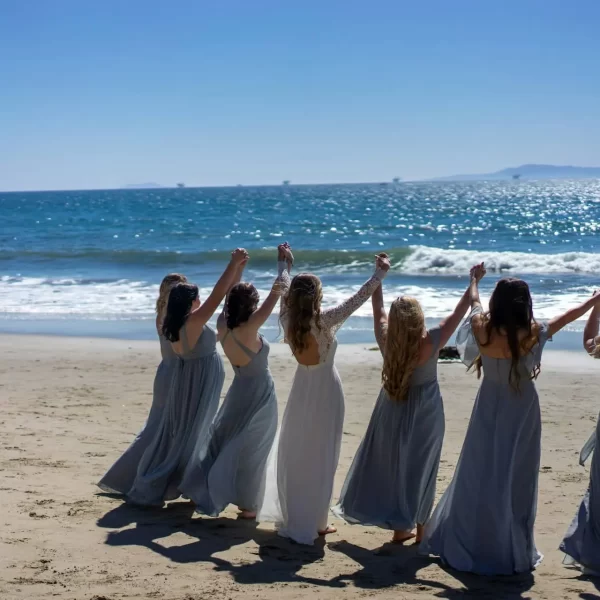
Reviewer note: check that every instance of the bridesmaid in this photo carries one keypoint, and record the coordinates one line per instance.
(485, 519)
(311, 432)
(230, 468)
(119, 478)
(581, 543)
(194, 390)
(391, 483)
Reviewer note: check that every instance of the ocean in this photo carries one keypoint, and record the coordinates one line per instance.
(90, 262)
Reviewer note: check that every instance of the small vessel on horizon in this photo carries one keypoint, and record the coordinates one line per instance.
(286, 182)
(181, 185)
(516, 176)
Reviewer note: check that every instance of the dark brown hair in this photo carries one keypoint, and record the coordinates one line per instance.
(511, 311)
(241, 302)
(181, 298)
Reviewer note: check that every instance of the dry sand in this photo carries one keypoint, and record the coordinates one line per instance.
(70, 406)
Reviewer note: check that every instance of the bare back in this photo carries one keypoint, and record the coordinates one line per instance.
(232, 341)
(310, 356)
(496, 345)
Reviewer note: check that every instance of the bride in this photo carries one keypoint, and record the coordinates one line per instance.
(311, 431)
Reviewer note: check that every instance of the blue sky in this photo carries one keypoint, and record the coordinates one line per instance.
(101, 94)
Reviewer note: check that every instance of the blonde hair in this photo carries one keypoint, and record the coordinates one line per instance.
(167, 284)
(402, 350)
(301, 305)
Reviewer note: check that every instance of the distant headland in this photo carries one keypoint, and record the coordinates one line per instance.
(529, 172)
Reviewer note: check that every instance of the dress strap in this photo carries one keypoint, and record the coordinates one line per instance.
(249, 353)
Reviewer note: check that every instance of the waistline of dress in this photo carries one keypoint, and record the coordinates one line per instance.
(324, 365)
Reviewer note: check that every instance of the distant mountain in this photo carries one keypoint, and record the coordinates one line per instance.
(143, 186)
(530, 172)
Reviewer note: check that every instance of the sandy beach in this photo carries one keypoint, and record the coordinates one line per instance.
(70, 406)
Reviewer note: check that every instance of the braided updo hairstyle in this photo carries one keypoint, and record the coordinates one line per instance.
(241, 302)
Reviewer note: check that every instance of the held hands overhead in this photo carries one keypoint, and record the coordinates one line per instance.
(285, 253)
(240, 257)
(478, 272)
(382, 261)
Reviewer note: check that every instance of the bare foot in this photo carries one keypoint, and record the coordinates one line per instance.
(402, 535)
(329, 529)
(246, 514)
(420, 531)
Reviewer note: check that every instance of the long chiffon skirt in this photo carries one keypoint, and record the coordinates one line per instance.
(300, 476)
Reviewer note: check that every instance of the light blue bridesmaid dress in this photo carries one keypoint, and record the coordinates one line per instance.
(484, 522)
(391, 483)
(192, 402)
(230, 467)
(120, 477)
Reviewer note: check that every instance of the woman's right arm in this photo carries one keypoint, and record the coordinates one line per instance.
(469, 298)
(207, 309)
(590, 333)
(563, 320)
(380, 319)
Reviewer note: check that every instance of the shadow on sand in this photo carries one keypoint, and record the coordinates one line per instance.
(398, 565)
(280, 560)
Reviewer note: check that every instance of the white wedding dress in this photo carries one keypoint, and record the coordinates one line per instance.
(305, 458)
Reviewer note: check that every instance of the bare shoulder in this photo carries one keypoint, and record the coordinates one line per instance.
(478, 326)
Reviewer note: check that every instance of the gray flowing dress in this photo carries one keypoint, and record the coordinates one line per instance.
(230, 467)
(484, 521)
(119, 478)
(581, 543)
(391, 483)
(192, 402)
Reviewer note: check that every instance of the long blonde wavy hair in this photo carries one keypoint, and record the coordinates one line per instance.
(301, 305)
(166, 286)
(406, 325)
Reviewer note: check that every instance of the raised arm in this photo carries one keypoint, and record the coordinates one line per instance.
(207, 309)
(469, 298)
(380, 319)
(334, 317)
(590, 333)
(278, 290)
(221, 320)
(477, 273)
(571, 315)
